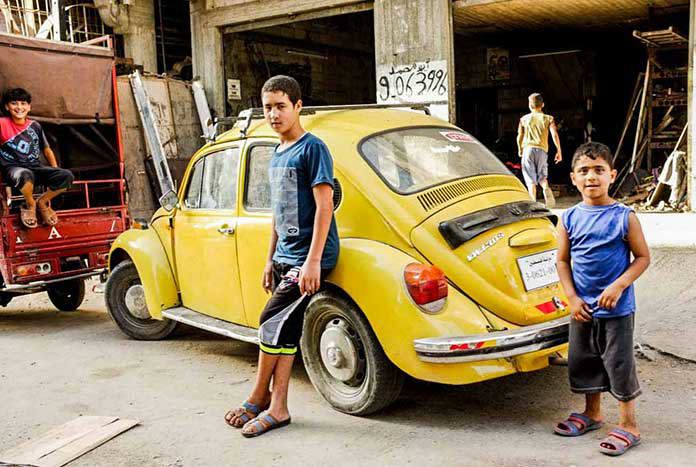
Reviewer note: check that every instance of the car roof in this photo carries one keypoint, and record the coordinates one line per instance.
(359, 122)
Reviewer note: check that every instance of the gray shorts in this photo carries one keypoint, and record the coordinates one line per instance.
(600, 357)
(535, 165)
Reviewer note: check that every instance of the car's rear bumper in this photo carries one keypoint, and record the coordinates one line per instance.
(493, 345)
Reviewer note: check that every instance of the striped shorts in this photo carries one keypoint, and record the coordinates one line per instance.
(283, 316)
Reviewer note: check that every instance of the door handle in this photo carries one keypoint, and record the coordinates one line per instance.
(226, 230)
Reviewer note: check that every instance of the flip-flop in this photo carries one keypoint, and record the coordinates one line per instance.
(245, 412)
(570, 429)
(28, 217)
(263, 424)
(48, 215)
(611, 445)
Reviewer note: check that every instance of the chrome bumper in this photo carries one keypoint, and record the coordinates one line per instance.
(493, 345)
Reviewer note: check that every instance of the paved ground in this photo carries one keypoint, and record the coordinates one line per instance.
(57, 366)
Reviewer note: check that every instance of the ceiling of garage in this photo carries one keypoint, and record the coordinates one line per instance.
(481, 16)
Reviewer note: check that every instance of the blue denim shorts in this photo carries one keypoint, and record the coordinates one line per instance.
(535, 165)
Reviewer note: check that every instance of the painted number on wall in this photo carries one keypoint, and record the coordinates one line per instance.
(414, 83)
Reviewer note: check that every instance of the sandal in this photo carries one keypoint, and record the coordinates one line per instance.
(611, 445)
(570, 429)
(263, 424)
(28, 217)
(48, 215)
(243, 414)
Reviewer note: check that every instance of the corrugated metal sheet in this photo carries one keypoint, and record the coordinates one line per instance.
(474, 16)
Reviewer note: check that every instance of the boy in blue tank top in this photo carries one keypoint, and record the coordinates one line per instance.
(596, 239)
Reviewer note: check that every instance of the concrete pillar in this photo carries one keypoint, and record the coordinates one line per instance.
(691, 158)
(139, 39)
(206, 44)
(414, 52)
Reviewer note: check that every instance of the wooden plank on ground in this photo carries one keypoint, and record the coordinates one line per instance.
(66, 442)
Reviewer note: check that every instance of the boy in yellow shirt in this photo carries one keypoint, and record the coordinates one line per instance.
(533, 147)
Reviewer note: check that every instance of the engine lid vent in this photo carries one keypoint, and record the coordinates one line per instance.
(431, 199)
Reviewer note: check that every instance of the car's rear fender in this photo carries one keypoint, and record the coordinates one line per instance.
(371, 273)
(144, 248)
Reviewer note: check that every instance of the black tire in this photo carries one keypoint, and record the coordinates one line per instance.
(122, 277)
(380, 382)
(67, 295)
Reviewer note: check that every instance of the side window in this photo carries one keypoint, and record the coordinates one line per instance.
(218, 180)
(258, 189)
(193, 192)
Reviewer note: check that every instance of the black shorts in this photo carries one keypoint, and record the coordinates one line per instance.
(53, 178)
(600, 357)
(283, 316)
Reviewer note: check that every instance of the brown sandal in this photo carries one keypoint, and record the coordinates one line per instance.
(48, 215)
(28, 217)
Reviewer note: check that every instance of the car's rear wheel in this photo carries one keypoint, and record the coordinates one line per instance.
(125, 300)
(344, 359)
(67, 295)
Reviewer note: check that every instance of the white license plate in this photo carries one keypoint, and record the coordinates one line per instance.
(538, 270)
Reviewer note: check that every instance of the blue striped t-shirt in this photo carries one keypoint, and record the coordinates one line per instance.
(600, 253)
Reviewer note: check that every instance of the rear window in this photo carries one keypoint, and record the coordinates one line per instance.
(413, 159)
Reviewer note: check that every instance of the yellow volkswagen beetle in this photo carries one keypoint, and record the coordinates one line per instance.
(446, 271)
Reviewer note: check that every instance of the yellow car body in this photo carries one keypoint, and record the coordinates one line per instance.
(491, 325)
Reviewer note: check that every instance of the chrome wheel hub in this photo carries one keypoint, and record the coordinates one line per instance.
(135, 302)
(339, 350)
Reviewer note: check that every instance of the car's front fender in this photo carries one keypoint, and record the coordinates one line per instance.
(371, 273)
(145, 249)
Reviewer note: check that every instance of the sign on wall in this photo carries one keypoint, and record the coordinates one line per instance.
(415, 83)
(498, 61)
(234, 90)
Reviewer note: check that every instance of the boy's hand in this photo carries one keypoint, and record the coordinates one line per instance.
(579, 310)
(558, 158)
(267, 279)
(310, 276)
(610, 296)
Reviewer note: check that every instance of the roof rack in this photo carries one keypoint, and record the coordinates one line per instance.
(246, 116)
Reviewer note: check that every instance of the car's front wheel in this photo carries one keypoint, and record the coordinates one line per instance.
(125, 300)
(344, 359)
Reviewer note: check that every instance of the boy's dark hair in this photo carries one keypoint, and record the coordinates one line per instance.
(16, 94)
(285, 84)
(536, 99)
(593, 150)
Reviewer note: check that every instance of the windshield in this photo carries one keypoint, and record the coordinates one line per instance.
(412, 159)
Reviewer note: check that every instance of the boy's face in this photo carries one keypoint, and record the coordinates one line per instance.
(592, 177)
(18, 109)
(279, 112)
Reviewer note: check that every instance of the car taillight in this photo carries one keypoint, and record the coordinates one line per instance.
(427, 286)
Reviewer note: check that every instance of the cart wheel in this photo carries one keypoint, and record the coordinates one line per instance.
(344, 359)
(67, 295)
(125, 300)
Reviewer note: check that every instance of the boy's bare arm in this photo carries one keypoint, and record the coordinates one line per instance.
(579, 310)
(50, 157)
(520, 138)
(310, 274)
(641, 261)
(267, 279)
(557, 141)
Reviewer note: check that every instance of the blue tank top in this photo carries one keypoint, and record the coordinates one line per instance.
(600, 254)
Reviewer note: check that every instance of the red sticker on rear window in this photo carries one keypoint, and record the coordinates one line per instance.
(457, 137)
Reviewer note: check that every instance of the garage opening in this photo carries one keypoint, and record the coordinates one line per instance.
(332, 58)
(588, 66)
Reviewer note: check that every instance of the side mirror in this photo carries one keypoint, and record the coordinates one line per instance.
(169, 200)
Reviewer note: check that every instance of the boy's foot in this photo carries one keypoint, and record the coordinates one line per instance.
(576, 424)
(28, 216)
(263, 424)
(48, 215)
(238, 417)
(618, 442)
(549, 198)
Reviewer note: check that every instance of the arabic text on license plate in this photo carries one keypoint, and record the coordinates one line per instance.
(538, 270)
